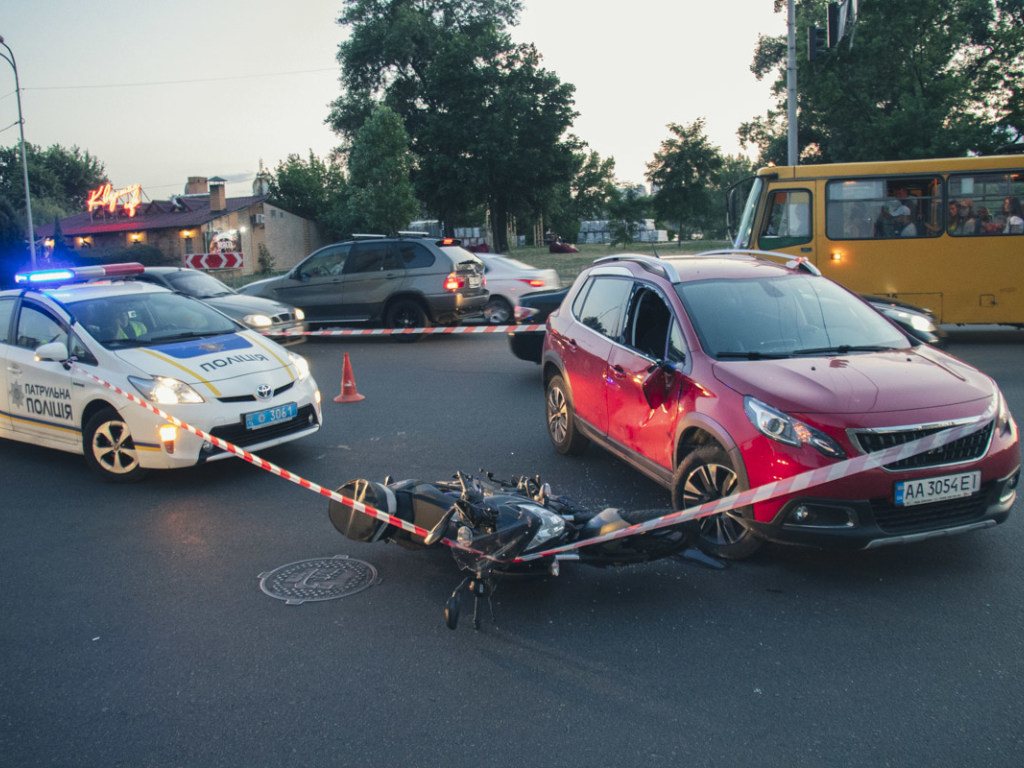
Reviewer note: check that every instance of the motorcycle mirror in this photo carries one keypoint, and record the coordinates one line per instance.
(435, 533)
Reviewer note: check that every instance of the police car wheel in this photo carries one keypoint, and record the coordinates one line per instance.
(109, 448)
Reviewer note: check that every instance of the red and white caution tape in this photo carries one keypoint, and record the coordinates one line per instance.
(804, 480)
(256, 461)
(446, 330)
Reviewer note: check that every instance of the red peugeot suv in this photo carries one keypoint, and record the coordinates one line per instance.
(726, 371)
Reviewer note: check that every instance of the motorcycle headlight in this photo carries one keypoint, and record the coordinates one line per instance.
(165, 390)
(257, 321)
(783, 428)
(551, 527)
(301, 365)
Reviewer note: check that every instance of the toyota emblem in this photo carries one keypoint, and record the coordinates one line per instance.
(263, 391)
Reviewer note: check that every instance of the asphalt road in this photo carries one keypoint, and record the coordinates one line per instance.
(134, 632)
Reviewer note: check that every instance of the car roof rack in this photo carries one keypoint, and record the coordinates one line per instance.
(652, 264)
(796, 263)
(366, 236)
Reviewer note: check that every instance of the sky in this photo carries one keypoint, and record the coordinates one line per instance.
(159, 92)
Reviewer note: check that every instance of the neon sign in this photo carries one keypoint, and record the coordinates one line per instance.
(105, 197)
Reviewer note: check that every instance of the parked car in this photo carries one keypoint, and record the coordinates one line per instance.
(722, 372)
(508, 280)
(264, 315)
(534, 309)
(170, 350)
(402, 282)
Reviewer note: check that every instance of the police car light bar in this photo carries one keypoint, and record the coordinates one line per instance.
(79, 274)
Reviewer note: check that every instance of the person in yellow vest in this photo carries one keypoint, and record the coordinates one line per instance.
(128, 327)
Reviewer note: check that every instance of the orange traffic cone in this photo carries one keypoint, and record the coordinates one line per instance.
(348, 392)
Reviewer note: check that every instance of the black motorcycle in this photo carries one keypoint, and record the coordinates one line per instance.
(498, 528)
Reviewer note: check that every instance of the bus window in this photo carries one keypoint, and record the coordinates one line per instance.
(883, 208)
(977, 203)
(787, 219)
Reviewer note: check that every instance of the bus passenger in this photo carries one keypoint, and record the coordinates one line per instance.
(1014, 217)
(985, 224)
(904, 226)
(963, 220)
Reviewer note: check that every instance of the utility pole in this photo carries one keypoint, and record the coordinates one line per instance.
(24, 161)
(793, 154)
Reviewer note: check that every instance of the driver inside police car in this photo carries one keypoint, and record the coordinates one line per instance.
(128, 325)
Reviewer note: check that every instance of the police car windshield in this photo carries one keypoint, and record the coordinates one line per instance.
(146, 319)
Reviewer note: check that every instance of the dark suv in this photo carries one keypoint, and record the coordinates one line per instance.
(402, 282)
(723, 372)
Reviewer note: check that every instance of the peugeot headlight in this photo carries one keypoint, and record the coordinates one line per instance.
(165, 390)
(783, 428)
(1004, 420)
(301, 365)
(257, 321)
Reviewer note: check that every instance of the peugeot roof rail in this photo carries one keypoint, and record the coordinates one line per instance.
(652, 264)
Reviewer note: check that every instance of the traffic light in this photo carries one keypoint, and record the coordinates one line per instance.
(816, 42)
(835, 25)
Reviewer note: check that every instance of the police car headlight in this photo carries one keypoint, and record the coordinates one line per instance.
(258, 321)
(299, 314)
(165, 391)
(301, 366)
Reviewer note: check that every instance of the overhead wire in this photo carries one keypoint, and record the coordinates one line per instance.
(175, 82)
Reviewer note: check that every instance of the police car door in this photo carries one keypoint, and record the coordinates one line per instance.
(7, 306)
(39, 393)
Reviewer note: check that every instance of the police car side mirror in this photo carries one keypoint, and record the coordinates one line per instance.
(55, 351)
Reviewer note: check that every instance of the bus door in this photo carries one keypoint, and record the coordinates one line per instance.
(787, 223)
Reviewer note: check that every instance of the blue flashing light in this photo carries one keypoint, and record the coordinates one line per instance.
(79, 274)
(45, 276)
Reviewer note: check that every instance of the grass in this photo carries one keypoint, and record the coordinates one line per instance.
(568, 265)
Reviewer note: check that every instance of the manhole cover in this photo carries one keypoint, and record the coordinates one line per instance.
(324, 578)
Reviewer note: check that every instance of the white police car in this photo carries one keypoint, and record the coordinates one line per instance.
(182, 355)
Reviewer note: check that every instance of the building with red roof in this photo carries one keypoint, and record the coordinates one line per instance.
(202, 227)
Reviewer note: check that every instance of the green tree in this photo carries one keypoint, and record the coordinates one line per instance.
(59, 179)
(627, 210)
(684, 174)
(381, 194)
(585, 197)
(315, 189)
(927, 79)
(486, 121)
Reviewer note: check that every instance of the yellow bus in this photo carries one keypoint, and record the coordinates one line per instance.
(946, 234)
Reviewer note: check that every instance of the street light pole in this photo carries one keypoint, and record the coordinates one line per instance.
(793, 152)
(24, 160)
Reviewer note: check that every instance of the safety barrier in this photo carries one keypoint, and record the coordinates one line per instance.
(803, 481)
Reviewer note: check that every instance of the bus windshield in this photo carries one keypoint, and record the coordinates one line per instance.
(741, 237)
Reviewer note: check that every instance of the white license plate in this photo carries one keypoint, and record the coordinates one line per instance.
(474, 281)
(929, 489)
(265, 418)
